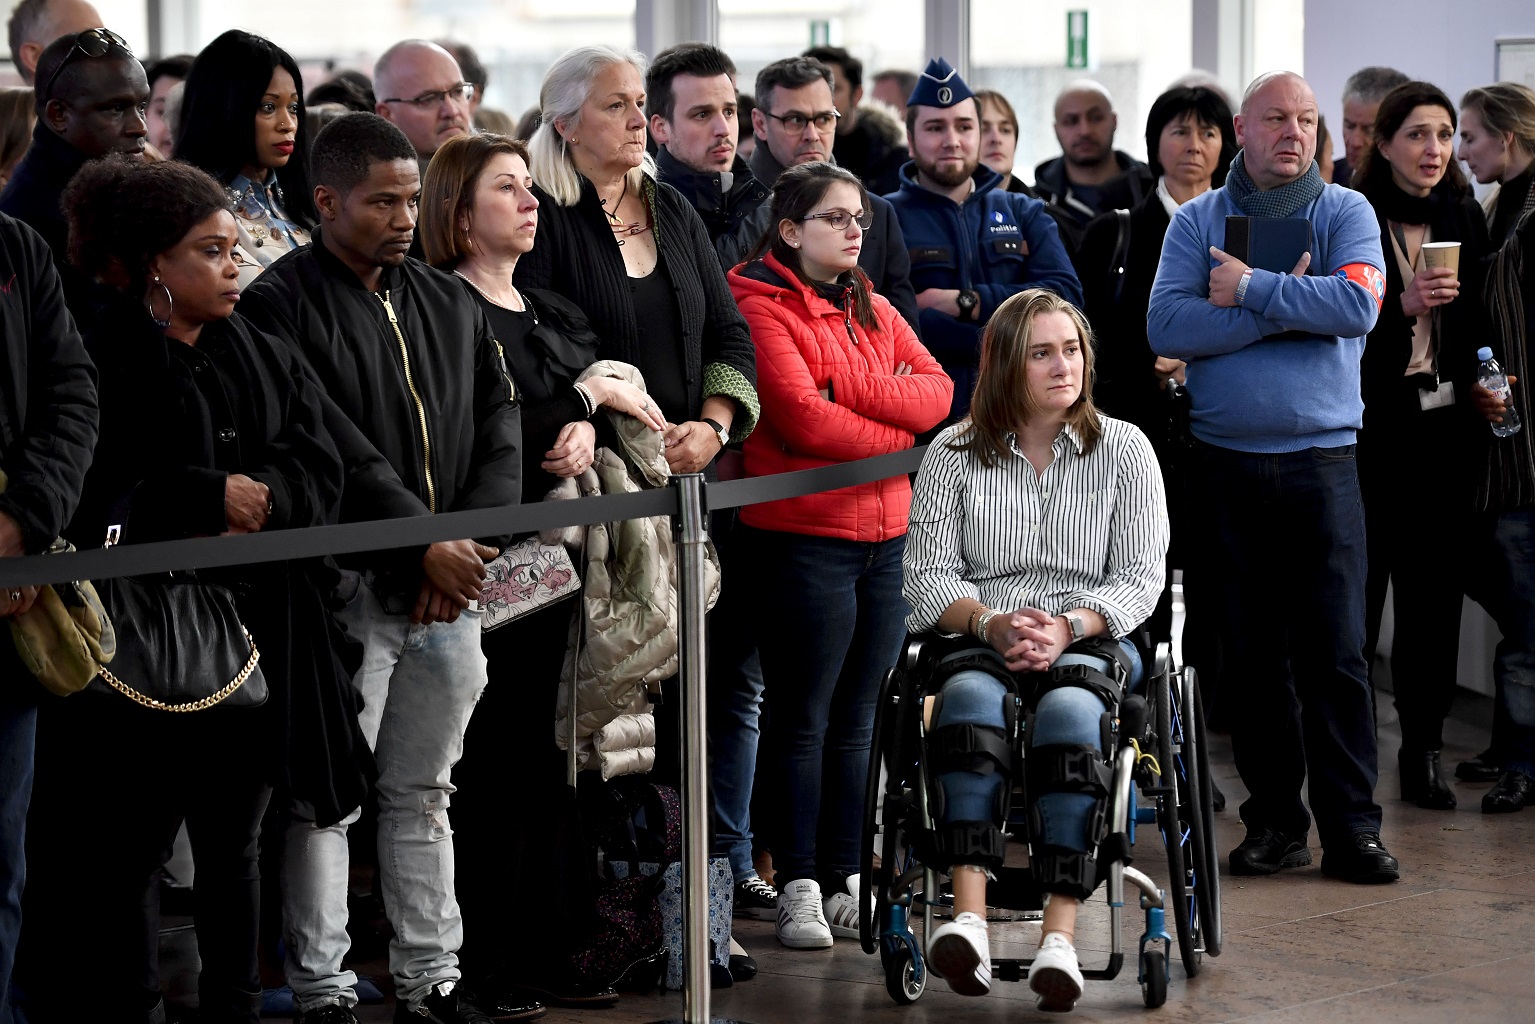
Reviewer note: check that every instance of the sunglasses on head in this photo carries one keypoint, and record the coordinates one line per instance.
(93, 42)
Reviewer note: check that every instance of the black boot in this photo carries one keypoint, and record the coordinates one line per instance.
(1422, 782)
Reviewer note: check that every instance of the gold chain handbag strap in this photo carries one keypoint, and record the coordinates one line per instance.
(196, 705)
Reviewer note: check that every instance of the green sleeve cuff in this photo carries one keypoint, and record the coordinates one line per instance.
(723, 379)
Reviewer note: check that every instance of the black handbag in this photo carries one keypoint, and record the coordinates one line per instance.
(180, 646)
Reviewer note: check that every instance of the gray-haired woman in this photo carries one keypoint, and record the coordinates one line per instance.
(635, 256)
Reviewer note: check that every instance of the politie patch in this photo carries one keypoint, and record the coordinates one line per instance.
(1366, 277)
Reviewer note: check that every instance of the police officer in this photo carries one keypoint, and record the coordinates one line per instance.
(972, 244)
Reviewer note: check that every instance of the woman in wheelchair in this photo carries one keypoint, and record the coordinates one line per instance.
(1036, 523)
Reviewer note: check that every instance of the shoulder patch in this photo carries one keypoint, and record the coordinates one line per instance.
(1366, 277)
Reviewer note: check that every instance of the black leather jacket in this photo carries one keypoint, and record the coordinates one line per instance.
(414, 366)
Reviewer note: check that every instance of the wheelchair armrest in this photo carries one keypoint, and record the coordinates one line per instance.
(1161, 661)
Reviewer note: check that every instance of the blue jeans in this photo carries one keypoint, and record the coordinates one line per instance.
(735, 699)
(1062, 716)
(419, 685)
(831, 623)
(18, 730)
(1510, 599)
(1289, 530)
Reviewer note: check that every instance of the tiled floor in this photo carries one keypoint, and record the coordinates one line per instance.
(1453, 941)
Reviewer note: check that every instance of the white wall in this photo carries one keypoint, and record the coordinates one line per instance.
(1449, 44)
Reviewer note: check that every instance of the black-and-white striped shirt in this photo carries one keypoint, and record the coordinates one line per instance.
(1090, 532)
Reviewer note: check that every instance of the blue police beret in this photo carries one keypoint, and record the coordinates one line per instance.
(939, 86)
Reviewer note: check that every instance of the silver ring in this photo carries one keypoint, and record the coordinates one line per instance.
(15, 596)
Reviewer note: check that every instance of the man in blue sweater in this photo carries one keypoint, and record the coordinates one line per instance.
(972, 245)
(1273, 370)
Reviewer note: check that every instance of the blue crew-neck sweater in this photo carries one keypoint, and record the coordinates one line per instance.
(1280, 372)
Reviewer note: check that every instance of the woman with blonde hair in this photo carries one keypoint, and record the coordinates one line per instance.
(1036, 523)
(1497, 142)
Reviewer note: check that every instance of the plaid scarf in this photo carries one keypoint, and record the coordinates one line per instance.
(1281, 202)
(1509, 481)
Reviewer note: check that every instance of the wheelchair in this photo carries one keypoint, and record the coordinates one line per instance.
(1155, 739)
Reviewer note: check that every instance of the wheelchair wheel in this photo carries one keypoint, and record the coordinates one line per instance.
(1174, 805)
(1207, 891)
(1154, 977)
(904, 978)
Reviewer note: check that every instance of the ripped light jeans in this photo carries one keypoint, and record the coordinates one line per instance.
(419, 684)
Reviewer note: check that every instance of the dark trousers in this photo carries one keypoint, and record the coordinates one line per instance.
(18, 727)
(115, 782)
(518, 848)
(1418, 522)
(1506, 588)
(735, 698)
(1289, 529)
(832, 621)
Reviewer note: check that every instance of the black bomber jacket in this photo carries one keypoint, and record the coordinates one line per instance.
(415, 367)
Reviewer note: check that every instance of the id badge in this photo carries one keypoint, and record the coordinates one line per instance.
(1441, 399)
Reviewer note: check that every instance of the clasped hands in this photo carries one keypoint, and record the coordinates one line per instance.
(1028, 639)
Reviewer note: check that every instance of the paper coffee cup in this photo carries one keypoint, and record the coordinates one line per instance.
(1441, 254)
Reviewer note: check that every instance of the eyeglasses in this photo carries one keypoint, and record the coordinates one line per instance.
(427, 100)
(839, 219)
(93, 42)
(795, 121)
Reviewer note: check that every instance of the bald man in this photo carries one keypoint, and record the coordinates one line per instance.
(1273, 371)
(1090, 176)
(422, 90)
(36, 23)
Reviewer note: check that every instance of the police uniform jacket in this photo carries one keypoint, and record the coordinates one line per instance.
(995, 243)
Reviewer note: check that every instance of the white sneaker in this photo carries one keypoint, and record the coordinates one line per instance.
(841, 910)
(1055, 977)
(960, 954)
(801, 924)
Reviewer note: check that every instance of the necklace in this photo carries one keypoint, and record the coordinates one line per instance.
(522, 304)
(621, 229)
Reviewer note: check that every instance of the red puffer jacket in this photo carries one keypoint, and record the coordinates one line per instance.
(806, 344)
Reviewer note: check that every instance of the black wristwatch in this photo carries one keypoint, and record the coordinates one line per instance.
(968, 302)
(719, 430)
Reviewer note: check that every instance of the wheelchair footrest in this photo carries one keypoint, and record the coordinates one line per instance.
(1017, 970)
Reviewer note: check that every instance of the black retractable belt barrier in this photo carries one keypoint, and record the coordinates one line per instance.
(688, 501)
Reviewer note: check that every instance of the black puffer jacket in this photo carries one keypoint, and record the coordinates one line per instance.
(47, 391)
(433, 397)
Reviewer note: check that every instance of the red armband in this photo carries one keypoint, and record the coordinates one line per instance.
(1366, 277)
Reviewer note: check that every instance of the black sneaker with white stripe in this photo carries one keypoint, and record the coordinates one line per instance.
(756, 899)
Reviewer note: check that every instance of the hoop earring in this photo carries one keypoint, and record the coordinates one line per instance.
(170, 305)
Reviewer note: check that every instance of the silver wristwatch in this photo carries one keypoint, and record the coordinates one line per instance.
(1074, 623)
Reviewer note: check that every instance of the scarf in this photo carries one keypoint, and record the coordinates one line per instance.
(1434, 209)
(1284, 201)
(1509, 481)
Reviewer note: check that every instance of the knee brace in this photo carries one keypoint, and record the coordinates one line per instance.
(958, 749)
(1066, 775)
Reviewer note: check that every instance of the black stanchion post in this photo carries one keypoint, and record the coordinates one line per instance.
(692, 546)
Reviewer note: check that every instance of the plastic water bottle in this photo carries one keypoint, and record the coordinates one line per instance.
(1490, 376)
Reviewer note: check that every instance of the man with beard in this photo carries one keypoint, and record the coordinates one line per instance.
(966, 263)
(1090, 176)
